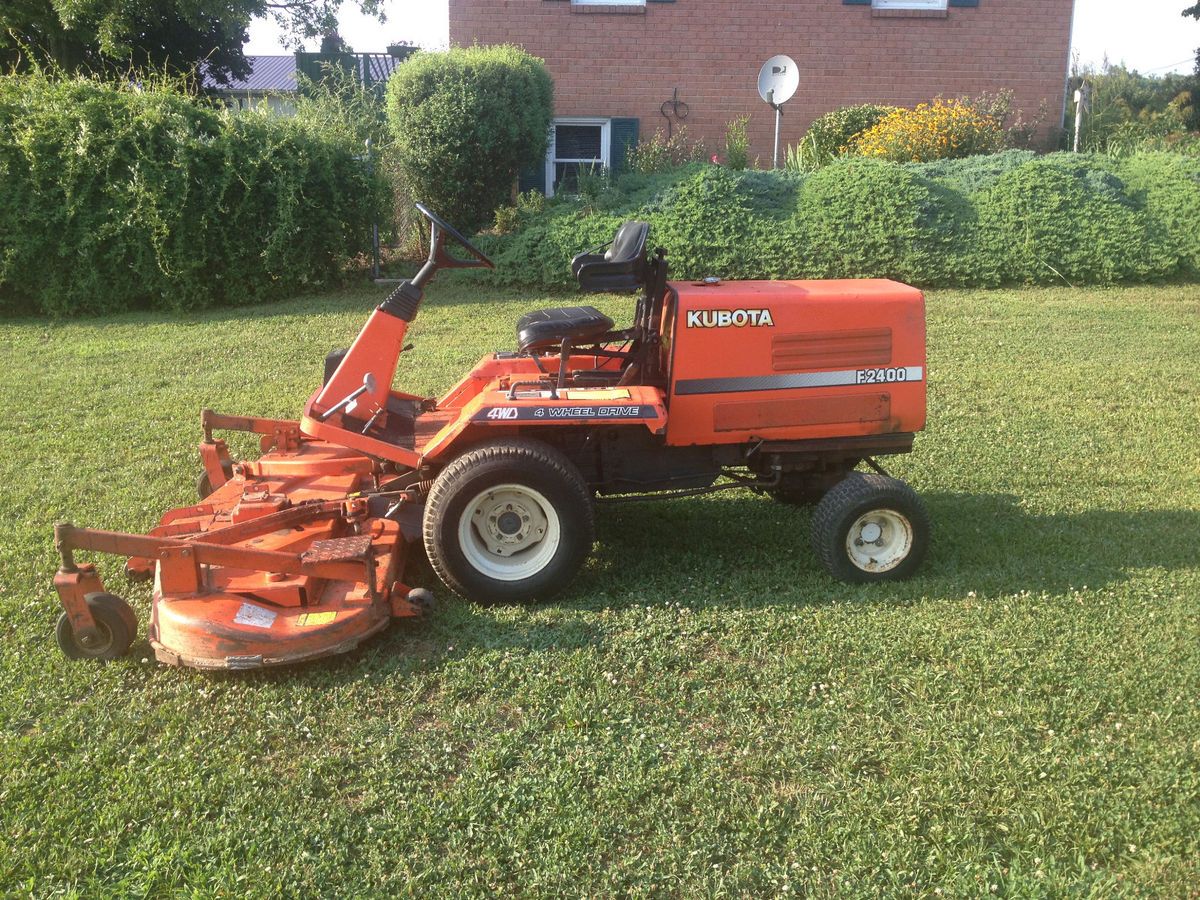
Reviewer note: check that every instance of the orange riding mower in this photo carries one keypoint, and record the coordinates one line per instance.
(780, 387)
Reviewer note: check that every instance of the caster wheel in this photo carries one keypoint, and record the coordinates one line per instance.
(870, 528)
(115, 621)
(204, 483)
(422, 598)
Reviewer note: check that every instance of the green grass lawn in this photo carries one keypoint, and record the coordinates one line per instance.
(705, 712)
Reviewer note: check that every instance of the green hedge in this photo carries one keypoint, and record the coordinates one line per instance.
(114, 198)
(1008, 218)
(466, 121)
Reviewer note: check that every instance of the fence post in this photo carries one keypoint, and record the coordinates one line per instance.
(1083, 103)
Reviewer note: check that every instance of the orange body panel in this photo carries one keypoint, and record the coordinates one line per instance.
(794, 360)
(377, 351)
(497, 411)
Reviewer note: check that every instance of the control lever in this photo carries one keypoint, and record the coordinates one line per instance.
(347, 403)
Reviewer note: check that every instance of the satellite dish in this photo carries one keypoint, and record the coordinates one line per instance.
(778, 79)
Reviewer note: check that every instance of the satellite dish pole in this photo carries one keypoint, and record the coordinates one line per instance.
(777, 82)
(778, 107)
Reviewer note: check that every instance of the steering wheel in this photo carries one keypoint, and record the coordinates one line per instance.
(436, 250)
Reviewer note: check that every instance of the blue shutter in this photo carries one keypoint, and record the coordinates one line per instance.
(964, 2)
(856, 2)
(623, 134)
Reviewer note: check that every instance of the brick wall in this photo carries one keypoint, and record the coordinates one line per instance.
(625, 61)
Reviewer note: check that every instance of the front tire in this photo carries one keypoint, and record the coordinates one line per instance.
(508, 522)
(871, 528)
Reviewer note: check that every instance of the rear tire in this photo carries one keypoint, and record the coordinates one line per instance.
(510, 521)
(871, 528)
(116, 622)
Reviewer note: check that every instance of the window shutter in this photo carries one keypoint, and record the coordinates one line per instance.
(623, 134)
(964, 2)
(856, 2)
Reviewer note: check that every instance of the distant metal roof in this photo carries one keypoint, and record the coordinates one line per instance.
(277, 74)
(268, 74)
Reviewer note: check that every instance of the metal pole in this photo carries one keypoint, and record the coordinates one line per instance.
(775, 155)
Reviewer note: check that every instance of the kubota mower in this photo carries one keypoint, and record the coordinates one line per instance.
(781, 387)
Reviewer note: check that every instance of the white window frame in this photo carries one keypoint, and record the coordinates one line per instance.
(909, 4)
(605, 145)
(609, 2)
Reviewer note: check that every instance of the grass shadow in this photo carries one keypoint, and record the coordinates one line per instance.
(746, 551)
(741, 551)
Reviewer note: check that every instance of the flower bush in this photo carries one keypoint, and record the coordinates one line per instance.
(830, 135)
(943, 129)
(661, 153)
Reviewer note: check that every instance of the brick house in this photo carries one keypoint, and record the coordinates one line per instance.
(617, 64)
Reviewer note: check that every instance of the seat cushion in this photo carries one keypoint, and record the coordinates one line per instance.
(549, 327)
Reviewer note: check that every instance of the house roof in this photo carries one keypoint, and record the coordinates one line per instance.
(277, 74)
(268, 74)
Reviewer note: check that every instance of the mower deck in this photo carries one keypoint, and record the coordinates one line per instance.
(283, 562)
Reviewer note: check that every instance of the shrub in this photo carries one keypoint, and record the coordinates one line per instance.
(974, 173)
(113, 198)
(831, 134)
(867, 216)
(661, 153)
(465, 122)
(1169, 186)
(707, 226)
(509, 218)
(1009, 218)
(944, 129)
(737, 143)
(1068, 218)
(1128, 107)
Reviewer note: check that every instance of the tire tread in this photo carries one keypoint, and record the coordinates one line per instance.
(847, 494)
(517, 451)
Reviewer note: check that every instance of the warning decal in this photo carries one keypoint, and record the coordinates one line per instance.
(254, 616)
(319, 618)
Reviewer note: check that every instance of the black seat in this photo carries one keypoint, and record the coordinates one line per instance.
(547, 328)
(622, 267)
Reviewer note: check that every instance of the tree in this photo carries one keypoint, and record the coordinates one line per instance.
(331, 42)
(1194, 12)
(465, 122)
(171, 35)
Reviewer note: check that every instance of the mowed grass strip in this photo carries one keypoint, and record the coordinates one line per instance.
(705, 712)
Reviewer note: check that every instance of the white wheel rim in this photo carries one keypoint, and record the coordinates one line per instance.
(879, 540)
(509, 532)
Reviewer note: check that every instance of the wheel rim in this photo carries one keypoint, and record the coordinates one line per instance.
(102, 644)
(509, 532)
(879, 540)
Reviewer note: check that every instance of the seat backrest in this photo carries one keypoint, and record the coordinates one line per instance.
(623, 265)
(629, 243)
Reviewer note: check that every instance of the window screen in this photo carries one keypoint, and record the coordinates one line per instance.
(577, 142)
(576, 148)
